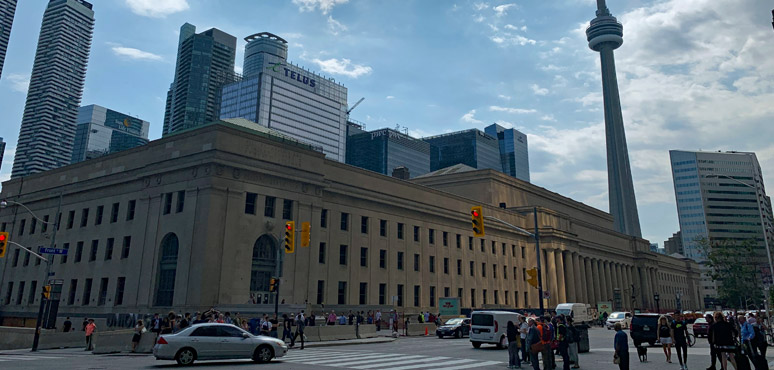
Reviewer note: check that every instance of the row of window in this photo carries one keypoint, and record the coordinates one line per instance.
(269, 206)
(93, 252)
(118, 297)
(84, 220)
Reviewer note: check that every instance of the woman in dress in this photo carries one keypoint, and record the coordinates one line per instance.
(665, 337)
(138, 330)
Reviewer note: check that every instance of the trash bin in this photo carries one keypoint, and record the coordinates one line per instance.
(583, 341)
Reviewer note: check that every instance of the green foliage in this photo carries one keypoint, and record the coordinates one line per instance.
(734, 267)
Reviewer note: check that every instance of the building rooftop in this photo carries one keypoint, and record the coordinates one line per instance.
(457, 168)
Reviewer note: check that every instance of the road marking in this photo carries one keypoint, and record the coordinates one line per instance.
(339, 359)
(441, 364)
(402, 362)
(380, 358)
(314, 355)
(485, 363)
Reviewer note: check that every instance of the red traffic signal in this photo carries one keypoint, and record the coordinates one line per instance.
(2, 237)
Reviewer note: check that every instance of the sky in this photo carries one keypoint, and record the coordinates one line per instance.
(693, 75)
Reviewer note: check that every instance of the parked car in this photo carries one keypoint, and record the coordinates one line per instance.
(456, 327)
(490, 326)
(216, 342)
(700, 327)
(625, 318)
(644, 328)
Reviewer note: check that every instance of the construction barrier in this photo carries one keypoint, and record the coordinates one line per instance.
(114, 341)
(421, 329)
(50, 339)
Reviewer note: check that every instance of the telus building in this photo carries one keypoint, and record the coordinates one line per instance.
(288, 98)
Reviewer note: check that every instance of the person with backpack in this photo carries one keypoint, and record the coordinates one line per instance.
(547, 339)
(562, 344)
(514, 342)
(533, 343)
(573, 338)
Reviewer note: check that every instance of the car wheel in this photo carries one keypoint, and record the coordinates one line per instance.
(502, 344)
(476, 344)
(263, 353)
(185, 356)
(458, 333)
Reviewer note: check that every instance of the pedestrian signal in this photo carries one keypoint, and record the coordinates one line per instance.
(306, 230)
(273, 282)
(533, 277)
(3, 243)
(290, 237)
(47, 291)
(477, 219)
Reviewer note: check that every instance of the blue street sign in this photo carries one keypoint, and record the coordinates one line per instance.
(52, 250)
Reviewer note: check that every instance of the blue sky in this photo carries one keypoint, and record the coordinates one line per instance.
(693, 74)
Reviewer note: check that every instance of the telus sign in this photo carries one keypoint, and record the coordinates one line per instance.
(294, 75)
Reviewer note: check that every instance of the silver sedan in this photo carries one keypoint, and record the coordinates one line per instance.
(216, 342)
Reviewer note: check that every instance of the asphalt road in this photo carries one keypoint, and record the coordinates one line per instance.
(423, 353)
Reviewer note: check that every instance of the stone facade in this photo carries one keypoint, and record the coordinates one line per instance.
(193, 220)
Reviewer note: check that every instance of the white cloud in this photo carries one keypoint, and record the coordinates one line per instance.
(495, 108)
(325, 6)
(504, 97)
(157, 8)
(335, 27)
(342, 67)
(480, 6)
(539, 90)
(390, 97)
(548, 117)
(502, 10)
(551, 68)
(470, 118)
(514, 28)
(135, 54)
(19, 82)
(506, 40)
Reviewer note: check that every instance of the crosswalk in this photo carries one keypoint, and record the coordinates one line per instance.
(10, 358)
(364, 360)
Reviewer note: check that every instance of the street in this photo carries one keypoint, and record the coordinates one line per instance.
(426, 353)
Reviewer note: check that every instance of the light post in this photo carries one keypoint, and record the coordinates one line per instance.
(4, 204)
(656, 298)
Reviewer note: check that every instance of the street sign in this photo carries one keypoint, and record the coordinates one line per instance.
(52, 250)
(449, 306)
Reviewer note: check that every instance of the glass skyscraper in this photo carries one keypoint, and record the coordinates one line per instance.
(205, 62)
(514, 152)
(385, 149)
(7, 11)
(287, 98)
(101, 131)
(472, 147)
(56, 86)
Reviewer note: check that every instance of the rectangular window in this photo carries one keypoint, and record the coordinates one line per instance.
(119, 298)
(103, 286)
(94, 247)
(37, 260)
(320, 291)
(494, 249)
(400, 261)
(382, 293)
(416, 262)
(400, 231)
(98, 216)
(513, 250)
(180, 201)
(86, 293)
(65, 246)
(503, 249)
(526, 299)
(78, 252)
(126, 247)
(482, 245)
(70, 219)
(363, 292)
(71, 293)
(114, 213)
(432, 264)
(344, 226)
(2, 228)
(483, 269)
(472, 269)
(31, 296)
(445, 237)
(364, 256)
(483, 297)
(523, 274)
(268, 206)
(446, 292)
(287, 209)
(523, 252)
(22, 226)
(33, 225)
(516, 299)
(400, 295)
(8, 293)
(472, 298)
(505, 272)
(494, 271)
(431, 236)
(27, 258)
(445, 265)
(167, 203)
(382, 227)
(382, 258)
(364, 225)
(342, 254)
(459, 267)
(342, 292)
(417, 290)
(470, 243)
(109, 249)
(496, 297)
(130, 210)
(459, 294)
(432, 296)
(84, 217)
(15, 257)
(324, 218)
(321, 253)
(459, 241)
(416, 233)
(20, 293)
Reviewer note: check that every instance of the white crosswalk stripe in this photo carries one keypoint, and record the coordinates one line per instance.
(7, 358)
(366, 360)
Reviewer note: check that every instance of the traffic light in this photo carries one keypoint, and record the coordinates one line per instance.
(306, 229)
(273, 282)
(3, 243)
(533, 277)
(477, 218)
(47, 291)
(290, 237)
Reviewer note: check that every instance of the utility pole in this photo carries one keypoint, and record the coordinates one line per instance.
(43, 299)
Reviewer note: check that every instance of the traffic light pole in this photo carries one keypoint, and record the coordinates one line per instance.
(43, 299)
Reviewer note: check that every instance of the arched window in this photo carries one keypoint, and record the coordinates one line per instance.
(165, 287)
(262, 269)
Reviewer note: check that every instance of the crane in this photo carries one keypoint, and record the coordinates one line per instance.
(355, 105)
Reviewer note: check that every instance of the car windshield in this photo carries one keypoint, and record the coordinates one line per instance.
(564, 311)
(483, 320)
(617, 315)
(700, 321)
(454, 321)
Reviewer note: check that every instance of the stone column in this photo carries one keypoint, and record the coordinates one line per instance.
(570, 276)
(621, 285)
(551, 272)
(628, 288)
(608, 291)
(588, 285)
(599, 278)
(579, 277)
(561, 277)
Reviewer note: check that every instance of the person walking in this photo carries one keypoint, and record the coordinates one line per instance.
(332, 318)
(139, 329)
(573, 337)
(680, 336)
(514, 343)
(665, 337)
(68, 325)
(523, 329)
(90, 329)
(563, 345)
(714, 354)
(534, 344)
(723, 336)
(621, 347)
(378, 319)
(274, 326)
(300, 329)
(287, 328)
(546, 338)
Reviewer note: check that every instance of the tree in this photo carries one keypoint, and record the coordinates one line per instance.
(734, 266)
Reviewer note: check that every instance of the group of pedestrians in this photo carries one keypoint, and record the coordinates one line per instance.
(536, 339)
(740, 341)
(674, 333)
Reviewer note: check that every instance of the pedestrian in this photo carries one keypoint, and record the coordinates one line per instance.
(332, 318)
(312, 319)
(421, 317)
(342, 320)
(90, 329)
(378, 318)
(523, 329)
(274, 321)
(760, 338)
(84, 323)
(621, 348)
(665, 337)
(139, 328)
(351, 318)
(680, 337)
(287, 328)
(156, 327)
(546, 338)
(168, 324)
(300, 328)
(427, 316)
(534, 344)
(68, 325)
(723, 336)
(185, 321)
(563, 345)
(714, 354)
(573, 337)
(514, 343)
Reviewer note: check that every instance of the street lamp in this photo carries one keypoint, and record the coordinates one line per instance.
(656, 298)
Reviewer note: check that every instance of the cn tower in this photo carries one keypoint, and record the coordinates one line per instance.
(605, 34)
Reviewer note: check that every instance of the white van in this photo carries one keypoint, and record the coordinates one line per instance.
(490, 327)
(578, 311)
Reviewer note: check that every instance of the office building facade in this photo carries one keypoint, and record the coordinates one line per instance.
(472, 147)
(514, 151)
(7, 12)
(205, 62)
(674, 244)
(101, 131)
(384, 150)
(287, 98)
(2, 151)
(56, 86)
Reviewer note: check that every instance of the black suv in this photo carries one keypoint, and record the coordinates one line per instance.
(644, 328)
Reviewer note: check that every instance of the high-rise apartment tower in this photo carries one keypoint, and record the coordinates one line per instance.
(7, 11)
